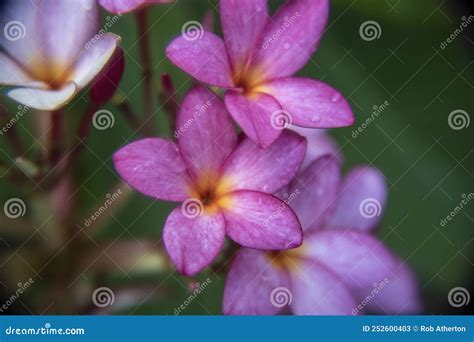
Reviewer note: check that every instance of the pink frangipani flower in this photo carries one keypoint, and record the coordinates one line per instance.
(50, 50)
(124, 6)
(225, 184)
(256, 61)
(340, 269)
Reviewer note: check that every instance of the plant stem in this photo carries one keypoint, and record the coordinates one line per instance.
(145, 55)
(56, 137)
(12, 135)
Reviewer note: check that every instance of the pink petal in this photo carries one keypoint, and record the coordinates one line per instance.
(93, 59)
(396, 295)
(313, 192)
(320, 143)
(311, 103)
(291, 37)
(154, 167)
(123, 6)
(317, 291)
(206, 134)
(242, 23)
(65, 28)
(357, 258)
(107, 81)
(251, 167)
(258, 220)
(251, 280)
(202, 55)
(193, 243)
(361, 200)
(44, 99)
(254, 115)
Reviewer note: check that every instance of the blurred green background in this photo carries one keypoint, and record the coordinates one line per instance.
(428, 165)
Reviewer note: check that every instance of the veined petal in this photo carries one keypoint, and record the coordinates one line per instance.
(361, 200)
(65, 28)
(357, 258)
(258, 220)
(311, 103)
(256, 116)
(124, 6)
(44, 99)
(291, 37)
(242, 23)
(317, 291)
(154, 167)
(314, 191)
(193, 243)
(205, 132)
(93, 59)
(203, 56)
(251, 284)
(251, 167)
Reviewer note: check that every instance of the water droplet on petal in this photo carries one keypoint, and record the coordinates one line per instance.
(336, 97)
(315, 118)
(287, 46)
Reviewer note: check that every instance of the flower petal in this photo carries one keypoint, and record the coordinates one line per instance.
(124, 6)
(93, 59)
(74, 23)
(105, 85)
(399, 295)
(44, 99)
(13, 74)
(258, 220)
(251, 167)
(357, 258)
(249, 285)
(254, 116)
(361, 200)
(154, 167)
(317, 291)
(313, 192)
(205, 132)
(193, 243)
(311, 103)
(320, 143)
(203, 56)
(291, 37)
(242, 23)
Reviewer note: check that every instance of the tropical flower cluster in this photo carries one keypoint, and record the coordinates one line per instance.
(249, 161)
